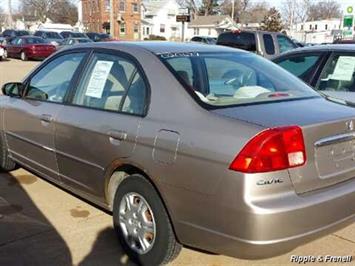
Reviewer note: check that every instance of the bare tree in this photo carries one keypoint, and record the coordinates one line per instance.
(295, 11)
(325, 9)
(255, 13)
(60, 11)
(240, 6)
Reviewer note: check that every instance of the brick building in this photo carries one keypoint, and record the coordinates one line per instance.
(127, 16)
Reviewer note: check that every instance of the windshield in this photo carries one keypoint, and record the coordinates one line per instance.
(226, 79)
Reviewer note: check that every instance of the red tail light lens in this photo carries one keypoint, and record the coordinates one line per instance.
(271, 150)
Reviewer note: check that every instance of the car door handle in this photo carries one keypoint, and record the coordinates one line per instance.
(117, 135)
(46, 118)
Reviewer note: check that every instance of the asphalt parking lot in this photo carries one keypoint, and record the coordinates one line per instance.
(41, 224)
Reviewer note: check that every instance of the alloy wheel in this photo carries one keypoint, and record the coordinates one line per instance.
(137, 222)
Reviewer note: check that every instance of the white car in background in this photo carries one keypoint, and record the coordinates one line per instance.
(3, 53)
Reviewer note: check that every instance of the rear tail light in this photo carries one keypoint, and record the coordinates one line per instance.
(271, 150)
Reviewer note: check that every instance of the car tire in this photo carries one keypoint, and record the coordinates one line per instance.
(6, 163)
(23, 56)
(160, 242)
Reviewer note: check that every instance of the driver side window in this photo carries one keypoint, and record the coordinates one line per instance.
(52, 82)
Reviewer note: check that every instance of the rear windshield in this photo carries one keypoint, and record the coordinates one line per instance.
(22, 33)
(78, 35)
(53, 35)
(226, 79)
(35, 40)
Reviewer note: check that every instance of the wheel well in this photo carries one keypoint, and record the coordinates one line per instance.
(115, 178)
(120, 173)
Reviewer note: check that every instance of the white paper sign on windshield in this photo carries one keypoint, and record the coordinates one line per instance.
(98, 79)
(344, 69)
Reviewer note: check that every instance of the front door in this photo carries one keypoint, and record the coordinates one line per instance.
(30, 120)
(100, 127)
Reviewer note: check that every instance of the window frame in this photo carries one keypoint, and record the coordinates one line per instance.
(28, 79)
(123, 55)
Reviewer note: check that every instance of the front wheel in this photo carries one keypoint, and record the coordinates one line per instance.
(142, 223)
(24, 56)
(6, 163)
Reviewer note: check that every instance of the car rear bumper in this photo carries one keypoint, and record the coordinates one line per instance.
(39, 54)
(272, 227)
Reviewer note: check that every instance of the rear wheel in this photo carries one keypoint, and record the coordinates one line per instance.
(24, 56)
(142, 223)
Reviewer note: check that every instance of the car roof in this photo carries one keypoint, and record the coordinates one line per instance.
(160, 47)
(321, 48)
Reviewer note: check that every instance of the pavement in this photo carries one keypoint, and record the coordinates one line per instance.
(40, 224)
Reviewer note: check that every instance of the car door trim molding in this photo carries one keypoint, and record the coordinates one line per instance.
(80, 160)
(52, 150)
(29, 141)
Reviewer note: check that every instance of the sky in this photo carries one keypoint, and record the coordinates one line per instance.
(277, 3)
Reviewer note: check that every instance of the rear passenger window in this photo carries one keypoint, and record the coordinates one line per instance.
(269, 44)
(112, 83)
(183, 68)
(301, 66)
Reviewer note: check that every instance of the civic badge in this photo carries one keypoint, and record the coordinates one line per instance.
(350, 125)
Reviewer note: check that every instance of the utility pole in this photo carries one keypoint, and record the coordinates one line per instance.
(10, 22)
(112, 19)
(233, 3)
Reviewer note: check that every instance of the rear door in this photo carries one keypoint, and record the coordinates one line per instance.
(29, 121)
(99, 128)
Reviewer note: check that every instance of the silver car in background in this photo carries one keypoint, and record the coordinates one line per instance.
(203, 146)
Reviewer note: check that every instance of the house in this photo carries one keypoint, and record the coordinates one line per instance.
(126, 13)
(159, 18)
(210, 26)
(316, 32)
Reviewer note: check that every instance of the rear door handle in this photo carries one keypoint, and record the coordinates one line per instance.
(117, 135)
(46, 118)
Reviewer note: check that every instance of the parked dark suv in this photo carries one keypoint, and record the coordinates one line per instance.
(264, 43)
(10, 34)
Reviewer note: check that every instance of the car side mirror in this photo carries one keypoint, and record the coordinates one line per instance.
(12, 89)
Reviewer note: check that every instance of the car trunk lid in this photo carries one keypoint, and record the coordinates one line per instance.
(329, 136)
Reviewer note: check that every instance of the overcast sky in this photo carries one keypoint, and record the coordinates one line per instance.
(277, 3)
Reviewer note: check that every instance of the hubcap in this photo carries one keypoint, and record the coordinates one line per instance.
(23, 56)
(137, 222)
